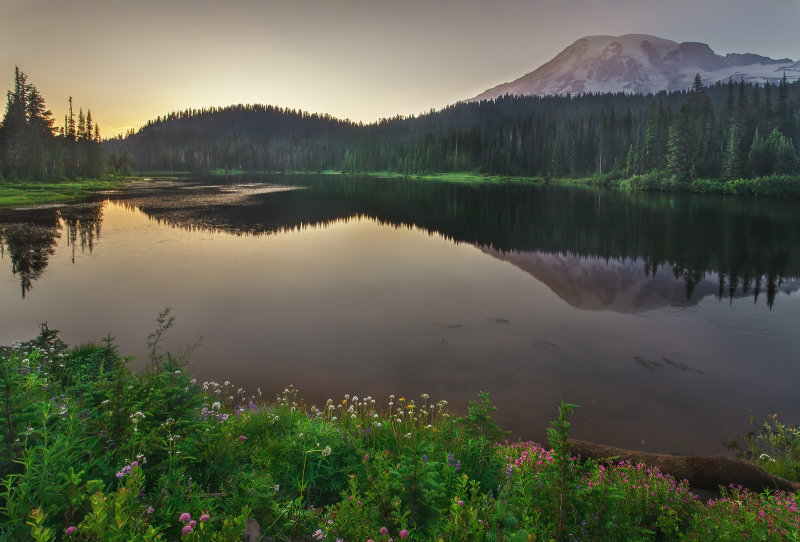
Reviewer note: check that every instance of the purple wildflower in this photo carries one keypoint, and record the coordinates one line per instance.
(186, 530)
(185, 517)
(71, 529)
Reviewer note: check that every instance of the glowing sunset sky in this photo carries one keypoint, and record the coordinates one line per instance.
(131, 60)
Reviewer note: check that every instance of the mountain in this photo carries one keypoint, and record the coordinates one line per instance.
(638, 63)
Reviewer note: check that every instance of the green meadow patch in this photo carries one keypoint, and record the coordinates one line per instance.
(14, 194)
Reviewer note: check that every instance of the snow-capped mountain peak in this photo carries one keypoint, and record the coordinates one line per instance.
(639, 63)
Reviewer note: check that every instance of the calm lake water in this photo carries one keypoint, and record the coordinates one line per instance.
(667, 318)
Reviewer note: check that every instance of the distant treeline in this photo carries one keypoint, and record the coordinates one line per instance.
(726, 131)
(33, 148)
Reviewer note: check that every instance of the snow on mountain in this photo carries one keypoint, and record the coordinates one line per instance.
(638, 63)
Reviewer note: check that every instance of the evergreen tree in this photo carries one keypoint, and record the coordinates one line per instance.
(15, 122)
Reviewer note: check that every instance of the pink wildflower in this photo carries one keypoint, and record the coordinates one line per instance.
(186, 530)
(185, 517)
(193, 524)
(404, 534)
(71, 529)
(242, 437)
(204, 517)
(384, 531)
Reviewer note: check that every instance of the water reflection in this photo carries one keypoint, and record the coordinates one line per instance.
(630, 286)
(594, 248)
(728, 247)
(29, 238)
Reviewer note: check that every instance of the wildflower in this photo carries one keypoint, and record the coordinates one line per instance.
(186, 530)
(204, 517)
(327, 451)
(193, 524)
(242, 438)
(71, 529)
(185, 517)
(404, 534)
(384, 531)
(460, 503)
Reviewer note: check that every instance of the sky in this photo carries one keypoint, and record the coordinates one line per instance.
(129, 61)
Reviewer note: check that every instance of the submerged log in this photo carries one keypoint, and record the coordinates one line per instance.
(702, 472)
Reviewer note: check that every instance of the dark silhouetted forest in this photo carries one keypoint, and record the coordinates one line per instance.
(32, 148)
(725, 131)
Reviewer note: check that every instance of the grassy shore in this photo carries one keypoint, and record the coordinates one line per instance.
(26, 193)
(95, 451)
(772, 186)
(16, 194)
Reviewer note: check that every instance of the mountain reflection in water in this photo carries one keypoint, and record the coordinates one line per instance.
(728, 247)
(667, 317)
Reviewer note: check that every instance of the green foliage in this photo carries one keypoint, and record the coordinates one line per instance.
(478, 422)
(558, 437)
(775, 448)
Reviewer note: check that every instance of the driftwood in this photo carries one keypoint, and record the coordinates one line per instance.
(703, 472)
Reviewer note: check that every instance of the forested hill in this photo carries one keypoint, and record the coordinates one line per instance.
(725, 131)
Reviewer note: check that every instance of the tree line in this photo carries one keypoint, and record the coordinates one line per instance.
(726, 131)
(33, 148)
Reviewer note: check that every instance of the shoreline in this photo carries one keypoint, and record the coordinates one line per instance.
(32, 193)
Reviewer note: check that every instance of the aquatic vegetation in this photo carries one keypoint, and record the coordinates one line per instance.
(96, 451)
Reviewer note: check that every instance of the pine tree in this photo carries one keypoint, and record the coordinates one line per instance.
(15, 140)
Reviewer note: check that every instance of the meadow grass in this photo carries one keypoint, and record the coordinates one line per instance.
(771, 186)
(95, 451)
(26, 193)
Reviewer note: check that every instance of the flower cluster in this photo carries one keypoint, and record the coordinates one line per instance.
(127, 469)
(189, 523)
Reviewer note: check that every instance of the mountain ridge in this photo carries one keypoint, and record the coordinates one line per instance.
(640, 64)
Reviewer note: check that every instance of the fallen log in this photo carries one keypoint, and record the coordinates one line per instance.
(703, 472)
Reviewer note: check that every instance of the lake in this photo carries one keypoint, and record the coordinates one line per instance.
(668, 318)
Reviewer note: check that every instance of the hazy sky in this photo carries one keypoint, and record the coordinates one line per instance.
(131, 60)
